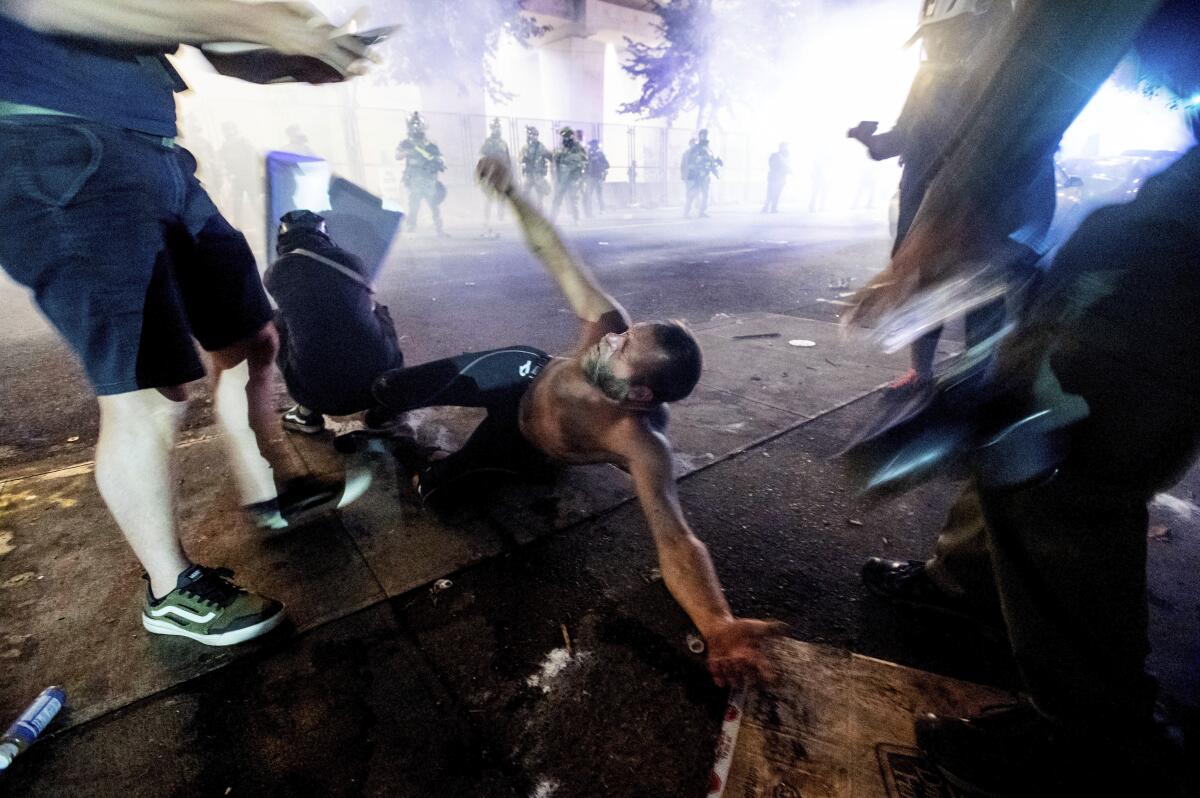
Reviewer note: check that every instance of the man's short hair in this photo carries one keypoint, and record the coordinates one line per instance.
(673, 377)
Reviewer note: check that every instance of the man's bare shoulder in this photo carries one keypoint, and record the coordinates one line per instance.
(640, 435)
(561, 373)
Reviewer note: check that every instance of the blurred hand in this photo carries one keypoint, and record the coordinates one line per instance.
(944, 241)
(494, 175)
(862, 131)
(735, 655)
(297, 28)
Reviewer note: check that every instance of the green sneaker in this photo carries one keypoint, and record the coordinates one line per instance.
(210, 609)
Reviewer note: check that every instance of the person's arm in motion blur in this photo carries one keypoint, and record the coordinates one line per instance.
(880, 146)
(292, 28)
(1017, 105)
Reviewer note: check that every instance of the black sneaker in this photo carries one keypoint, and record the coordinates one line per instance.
(208, 608)
(382, 419)
(300, 419)
(908, 584)
(1014, 751)
(298, 496)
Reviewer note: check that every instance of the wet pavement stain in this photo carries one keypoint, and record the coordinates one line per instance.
(18, 579)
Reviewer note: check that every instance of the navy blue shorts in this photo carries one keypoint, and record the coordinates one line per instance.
(124, 251)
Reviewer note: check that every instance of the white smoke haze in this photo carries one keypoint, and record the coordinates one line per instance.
(794, 71)
(826, 71)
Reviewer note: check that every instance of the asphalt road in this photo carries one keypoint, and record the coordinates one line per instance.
(429, 694)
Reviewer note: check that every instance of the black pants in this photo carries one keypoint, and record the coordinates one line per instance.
(774, 191)
(496, 380)
(1065, 559)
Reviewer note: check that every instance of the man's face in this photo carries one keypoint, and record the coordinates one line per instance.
(618, 357)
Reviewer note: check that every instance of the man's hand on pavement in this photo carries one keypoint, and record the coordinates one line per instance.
(735, 655)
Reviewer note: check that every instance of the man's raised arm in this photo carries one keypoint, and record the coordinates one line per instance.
(585, 296)
(292, 28)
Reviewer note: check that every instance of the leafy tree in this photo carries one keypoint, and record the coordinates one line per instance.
(437, 40)
(712, 56)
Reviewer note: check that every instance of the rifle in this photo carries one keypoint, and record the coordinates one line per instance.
(424, 153)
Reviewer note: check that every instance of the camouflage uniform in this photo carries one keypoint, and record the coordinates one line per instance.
(570, 166)
(535, 164)
(422, 163)
(494, 146)
(593, 182)
(699, 164)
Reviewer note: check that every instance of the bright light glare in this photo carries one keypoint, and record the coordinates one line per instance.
(1117, 120)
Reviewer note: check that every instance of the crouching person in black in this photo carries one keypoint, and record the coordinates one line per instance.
(334, 339)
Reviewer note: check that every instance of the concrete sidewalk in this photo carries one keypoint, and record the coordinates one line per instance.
(555, 663)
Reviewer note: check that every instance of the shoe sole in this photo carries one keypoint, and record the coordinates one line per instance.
(968, 787)
(273, 522)
(304, 429)
(938, 610)
(155, 626)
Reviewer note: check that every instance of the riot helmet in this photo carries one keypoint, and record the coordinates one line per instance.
(416, 125)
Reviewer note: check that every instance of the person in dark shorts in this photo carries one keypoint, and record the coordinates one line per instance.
(334, 339)
(102, 218)
(603, 403)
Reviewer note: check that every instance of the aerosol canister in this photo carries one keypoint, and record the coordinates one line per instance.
(33, 721)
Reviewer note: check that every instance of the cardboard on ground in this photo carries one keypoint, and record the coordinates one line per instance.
(841, 724)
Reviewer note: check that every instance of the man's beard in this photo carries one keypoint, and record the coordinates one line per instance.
(600, 374)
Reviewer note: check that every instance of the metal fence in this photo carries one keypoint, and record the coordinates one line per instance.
(359, 142)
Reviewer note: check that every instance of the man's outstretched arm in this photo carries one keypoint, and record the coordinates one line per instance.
(574, 279)
(292, 28)
(734, 653)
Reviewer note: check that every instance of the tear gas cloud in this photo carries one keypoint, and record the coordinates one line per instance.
(805, 81)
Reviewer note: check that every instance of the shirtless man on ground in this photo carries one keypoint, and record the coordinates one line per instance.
(603, 403)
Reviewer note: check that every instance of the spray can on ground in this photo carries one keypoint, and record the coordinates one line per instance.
(33, 721)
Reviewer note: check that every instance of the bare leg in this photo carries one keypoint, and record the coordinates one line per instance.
(246, 413)
(133, 473)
